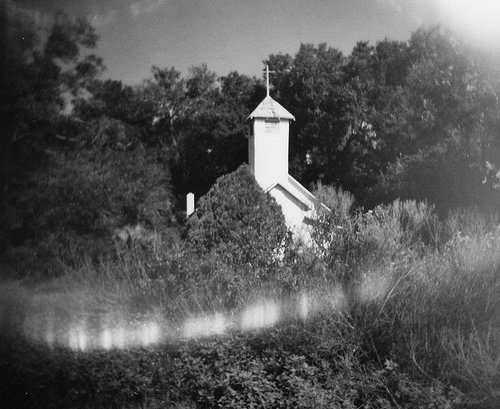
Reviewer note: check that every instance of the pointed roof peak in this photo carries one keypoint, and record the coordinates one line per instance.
(269, 108)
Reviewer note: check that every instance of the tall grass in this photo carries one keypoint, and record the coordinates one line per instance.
(427, 295)
(389, 288)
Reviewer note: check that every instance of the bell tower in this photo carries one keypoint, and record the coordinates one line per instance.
(268, 144)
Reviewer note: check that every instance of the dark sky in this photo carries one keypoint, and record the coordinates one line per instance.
(238, 35)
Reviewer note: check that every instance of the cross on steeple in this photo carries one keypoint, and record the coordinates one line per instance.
(267, 78)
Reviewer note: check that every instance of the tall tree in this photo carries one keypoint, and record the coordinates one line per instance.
(212, 136)
(451, 113)
(44, 67)
(387, 119)
(200, 122)
(332, 129)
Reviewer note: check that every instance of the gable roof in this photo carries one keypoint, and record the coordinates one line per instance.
(297, 191)
(269, 108)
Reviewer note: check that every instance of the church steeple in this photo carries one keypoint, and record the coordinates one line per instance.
(268, 160)
(268, 144)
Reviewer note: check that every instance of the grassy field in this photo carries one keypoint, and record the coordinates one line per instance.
(395, 309)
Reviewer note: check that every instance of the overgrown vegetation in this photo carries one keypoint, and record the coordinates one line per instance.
(404, 295)
(240, 222)
(403, 313)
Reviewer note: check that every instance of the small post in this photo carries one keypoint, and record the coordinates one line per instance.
(189, 204)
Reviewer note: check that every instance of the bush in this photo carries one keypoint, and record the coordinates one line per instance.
(437, 315)
(351, 242)
(240, 222)
(419, 291)
(80, 198)
(266, 369)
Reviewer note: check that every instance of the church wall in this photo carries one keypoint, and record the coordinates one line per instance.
(268, 151)
(294, 215)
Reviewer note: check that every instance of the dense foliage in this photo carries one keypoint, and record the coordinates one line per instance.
(395, 320)
(241, 222)
(415, 120)
(241, 371)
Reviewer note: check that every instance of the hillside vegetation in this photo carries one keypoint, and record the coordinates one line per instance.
(402, 312)
(397, 304)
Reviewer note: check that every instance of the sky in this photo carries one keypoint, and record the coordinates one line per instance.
(237, 35)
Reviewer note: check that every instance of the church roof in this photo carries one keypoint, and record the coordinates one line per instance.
(269, 108)
(296, 190)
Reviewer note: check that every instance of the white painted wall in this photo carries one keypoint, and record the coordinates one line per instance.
(268, 151)
(294, 213)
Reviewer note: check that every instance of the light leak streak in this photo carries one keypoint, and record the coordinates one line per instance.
(145, 335)
(119, 338)
(204, 326)
(262, 315)
(77, 339)
(106, 339)
(73, 339)
(150, 333)
(82, 340)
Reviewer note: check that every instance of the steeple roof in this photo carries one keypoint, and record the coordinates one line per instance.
(269, 108)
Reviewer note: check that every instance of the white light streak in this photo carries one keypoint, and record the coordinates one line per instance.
(150, 333)
(82, 339)
(77, 339)
(106, 339)
(204, 326)
(81, 336)
(262, 315)
(119, 338)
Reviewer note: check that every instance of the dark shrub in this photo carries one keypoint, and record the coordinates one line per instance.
(239, 221)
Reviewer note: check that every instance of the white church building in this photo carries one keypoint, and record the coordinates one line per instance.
(268, 160)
